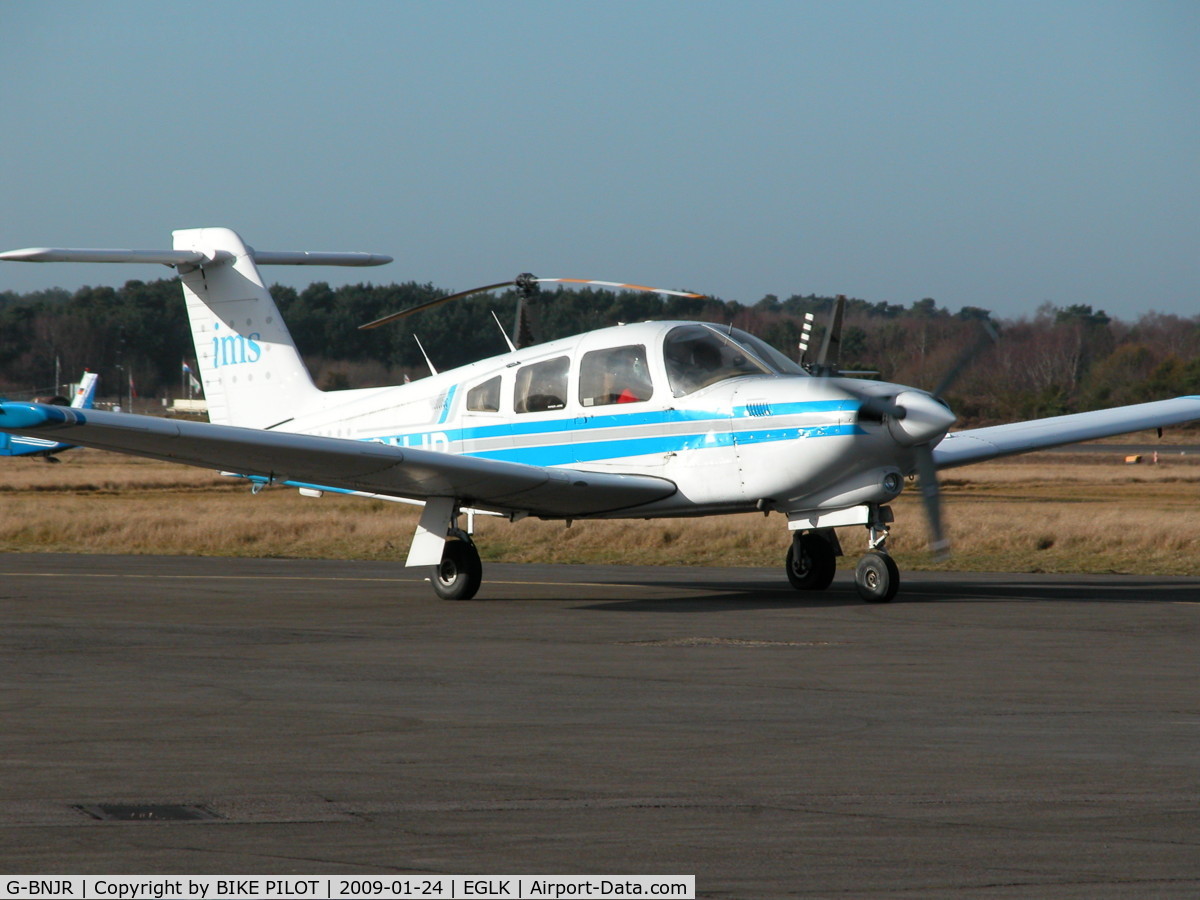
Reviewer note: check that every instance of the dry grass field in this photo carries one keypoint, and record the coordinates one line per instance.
(1046, 512)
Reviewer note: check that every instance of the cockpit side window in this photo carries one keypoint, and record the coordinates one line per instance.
(542, 386)
(696, 357)
(616, 375)
(485, 397)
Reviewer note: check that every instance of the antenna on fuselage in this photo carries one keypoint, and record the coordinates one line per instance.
(432, 370)
(511, 346)
(831, 345)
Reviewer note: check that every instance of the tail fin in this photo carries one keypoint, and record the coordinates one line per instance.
(250, 368)
(249, 365)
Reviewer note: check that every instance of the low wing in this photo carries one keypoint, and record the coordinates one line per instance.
(338, 463)
(979, 444)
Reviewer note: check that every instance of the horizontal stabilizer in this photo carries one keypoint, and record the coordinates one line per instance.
(65, 254)
(311, 258)
(192, 257)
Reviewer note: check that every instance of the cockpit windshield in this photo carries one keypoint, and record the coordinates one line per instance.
(768, 354)
(699, 355)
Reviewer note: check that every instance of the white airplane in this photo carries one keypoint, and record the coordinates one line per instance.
(640, 421)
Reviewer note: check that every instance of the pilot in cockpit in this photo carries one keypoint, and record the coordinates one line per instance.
(691, 364)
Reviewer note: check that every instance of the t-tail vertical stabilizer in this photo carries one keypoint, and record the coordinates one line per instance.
(251, 370)
(252, 373)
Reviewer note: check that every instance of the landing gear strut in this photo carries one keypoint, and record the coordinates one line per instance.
(876, 577)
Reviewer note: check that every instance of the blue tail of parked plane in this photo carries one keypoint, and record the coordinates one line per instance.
(14, 445)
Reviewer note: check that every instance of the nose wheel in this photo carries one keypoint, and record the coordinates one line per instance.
(876, 577)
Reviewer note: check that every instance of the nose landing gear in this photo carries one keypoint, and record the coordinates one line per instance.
(876, 577)
(812, 560)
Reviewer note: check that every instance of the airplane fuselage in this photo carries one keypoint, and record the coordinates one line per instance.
(750, 440)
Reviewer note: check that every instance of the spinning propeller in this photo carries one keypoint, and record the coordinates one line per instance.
(914, 418)
(527, 286)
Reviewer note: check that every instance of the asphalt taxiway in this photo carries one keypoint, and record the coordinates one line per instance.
(997, 736)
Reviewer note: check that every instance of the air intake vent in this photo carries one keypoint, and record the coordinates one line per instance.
(758, 408)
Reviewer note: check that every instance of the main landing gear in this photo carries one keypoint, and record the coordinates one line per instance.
(459, 574)
(812, 559)
(447, 550)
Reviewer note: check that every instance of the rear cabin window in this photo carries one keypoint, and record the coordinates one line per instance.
(542, 386)
(485, 397)
(617, 375)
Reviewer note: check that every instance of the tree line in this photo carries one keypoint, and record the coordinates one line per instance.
(1058, 360)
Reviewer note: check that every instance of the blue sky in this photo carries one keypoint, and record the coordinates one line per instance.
(984, 154)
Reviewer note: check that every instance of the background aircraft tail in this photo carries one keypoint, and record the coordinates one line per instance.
(85, 394)
(26, 445)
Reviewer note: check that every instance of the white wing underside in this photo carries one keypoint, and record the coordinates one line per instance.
(343, 464)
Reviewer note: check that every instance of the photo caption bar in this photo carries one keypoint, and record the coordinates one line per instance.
(323, 887)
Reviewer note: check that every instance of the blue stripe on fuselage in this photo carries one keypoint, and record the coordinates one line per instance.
(594, 451)
(447, 403)
(577, 448)
(587, 422)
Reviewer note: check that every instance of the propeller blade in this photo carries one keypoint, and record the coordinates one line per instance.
(831, 345)
(871, 406)
(987, 337)
(421, 307)
(523, 319)
(875, 408)
(525, 282)
(619, 286)
(931, 496)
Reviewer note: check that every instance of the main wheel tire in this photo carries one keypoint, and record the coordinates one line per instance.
(460, 573)
(876, 577)
(811, 563)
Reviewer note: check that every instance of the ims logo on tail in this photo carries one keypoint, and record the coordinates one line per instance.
(235, 349)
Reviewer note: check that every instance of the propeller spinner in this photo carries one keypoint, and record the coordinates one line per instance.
(914, 418)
